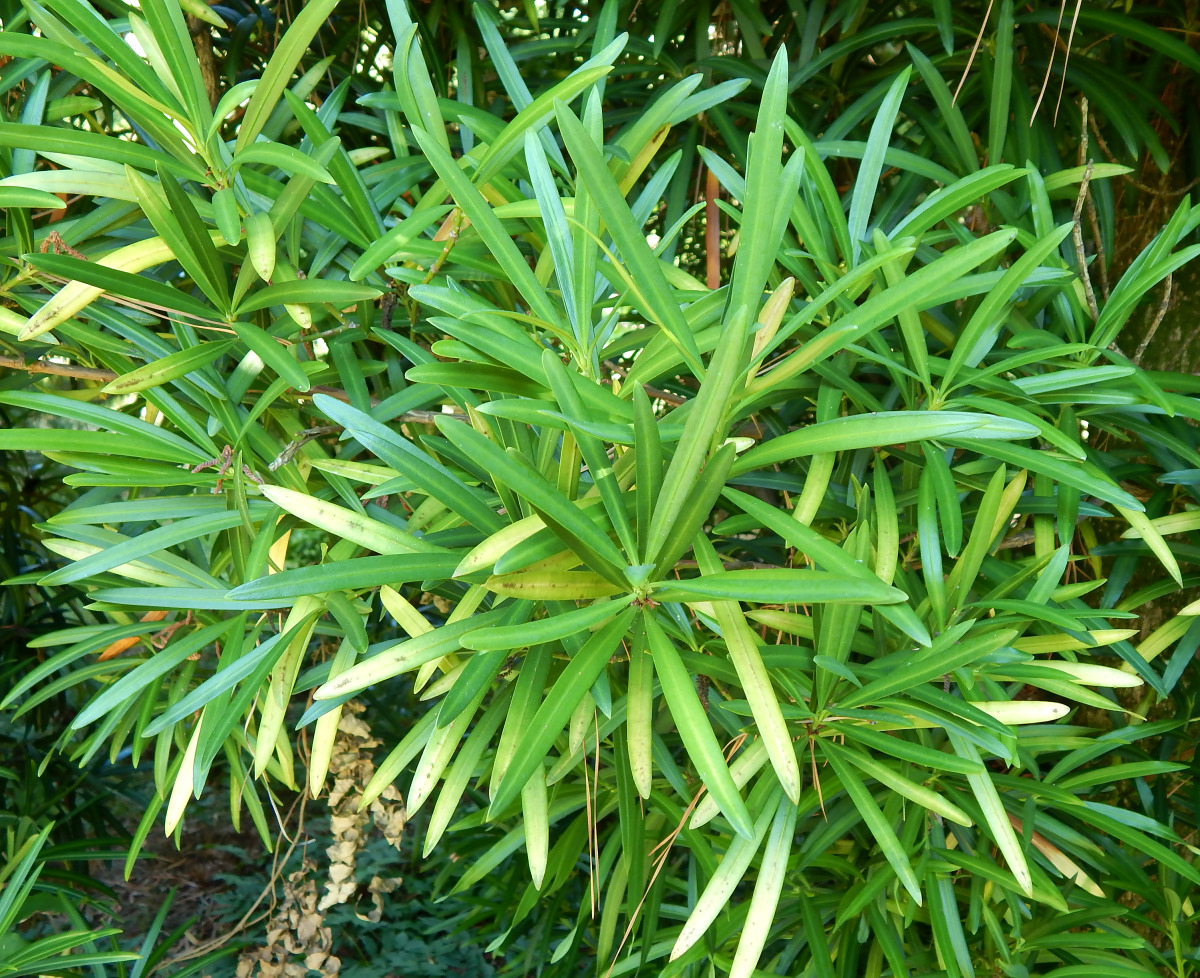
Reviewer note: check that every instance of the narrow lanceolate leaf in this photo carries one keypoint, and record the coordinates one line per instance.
(1093, 675)
(657, 298)
(576, 530)
(180, 531)
(430, 476)
(882, 428)
(273, 705)
(76, 296)
(704, 423)
(468, 197)
(361, 572)
(695, 729)
(550, 629)
(1081, 475)
(535, 816)
(725, 880)
(538, 585)
(171, 367)
(308, 291)
(767, 888)
(640, 718)
(560, 702)
(405, 656)
(1144, 528)
(742, 644)
(922, 795)
(272, 354)
(866, 186)
(22, 197)
(781, 586)
(190, 243)
(878, 824)
(126, 285)
(288, 52)
(345, 524)
(152, 670)
(181, 790)
(767, 183)
(994, 814)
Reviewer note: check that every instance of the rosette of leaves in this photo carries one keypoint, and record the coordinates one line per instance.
(736, 623)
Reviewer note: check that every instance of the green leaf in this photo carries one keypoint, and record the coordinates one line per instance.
(1002, 83)
(223, 680)
(161, 538)
(760, 916)
(406, 656)
(433, 478)
(149, 671)
(275, 356)
(705, 423)
(355, 574)
(1145, 529)
(171, 367)
(695, 730)
(531, 118)
(781, 586)
(725, 880)
(654, 293)
(308, 292)
(485, 221)
(346, 524)
(552, 628)
(560, 702)
(906, 750)
(288, 53)
(754, 678)
(556, 510)
(125, 285)
(1082, 475)
(182, 232)
(902, 670)
(994, 814)
(922, 795)
(286, 158)
(11, 196)
(878, 825)
(866, 185)
(883, 428)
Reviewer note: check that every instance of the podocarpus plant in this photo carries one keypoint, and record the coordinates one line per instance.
(721, 596)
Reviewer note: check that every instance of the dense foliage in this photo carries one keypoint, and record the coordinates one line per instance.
(718, 455)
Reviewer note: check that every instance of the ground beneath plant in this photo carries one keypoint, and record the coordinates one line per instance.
(197, 877)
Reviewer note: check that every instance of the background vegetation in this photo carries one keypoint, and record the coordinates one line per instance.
(694, 488)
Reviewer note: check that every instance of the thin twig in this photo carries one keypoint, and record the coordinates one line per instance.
(1062, 9)
(975, 48)
(1155, 323)
(57, 369)
(1137, 184)
(1070, 37)
(277, 867)
(1077, 236)
(1098, 242)
(712, 231)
